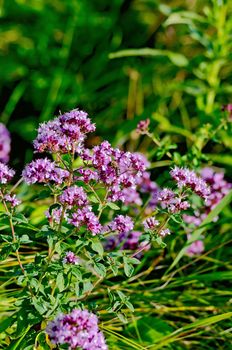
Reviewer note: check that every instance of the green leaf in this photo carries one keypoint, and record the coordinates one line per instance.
(39, 305)
(100, 269)
(6, 322)
(128, 268)
(113, 206)
(122, 317)
(20, 218)
(60, 282)
(97, 247)
(197, 234)
(176, 58)
(150, 329)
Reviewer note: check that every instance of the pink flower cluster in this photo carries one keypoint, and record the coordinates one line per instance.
(5, 142)
(188, 178)
(219, 188)
(6, 174)
(143, 126)
(170, 201)
(79, 330)
(44, 171)
(64, 134)
(119, 171)
(151, 224)
(121, 224)
(12, 200)
(78, 212)
(70, 258)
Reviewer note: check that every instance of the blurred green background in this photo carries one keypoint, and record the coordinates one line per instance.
(120, 60)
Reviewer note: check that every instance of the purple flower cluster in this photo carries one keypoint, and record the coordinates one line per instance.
(150, 223)
(122, 224)
(143, 126)
(12, 200)
(196, 248)
(164, 232)
(78, 211)
(188, 178)
(219, 188)
(79, 329)
(85, 216)
(6, 174)
(70, 258)
(73, 195)
(64, 134)
(119, 171)
(5, 142)
(55, 215)
(169, 200)
(44, 171)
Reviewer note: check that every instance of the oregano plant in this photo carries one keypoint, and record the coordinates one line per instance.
(103, 212)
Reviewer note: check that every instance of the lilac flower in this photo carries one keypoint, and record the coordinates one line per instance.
(150, 223)
(70, 258)
(166, 195)
(85, 216)
(131, 196)
(122, 224)
(12, 200)
(187, 178)
(219, 188)
(164, 232)
(88, 175)
(196, 248)
(79, 329)
(73, 195)
(64, 134)
(55, 215)
(5, 142)
(143, 126)
(44, 171)
(6, 174)
(116, 169)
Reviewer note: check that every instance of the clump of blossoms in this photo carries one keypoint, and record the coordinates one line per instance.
(219, 187)
(64, 134)
(6, 174)
(5, 143)
(44, 171)
(79, 330)
(119, 171)
(188, 178)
